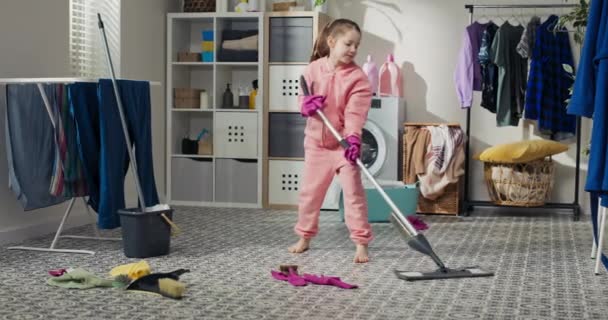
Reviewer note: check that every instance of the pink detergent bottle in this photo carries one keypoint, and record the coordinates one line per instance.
(390, 78)
(370, 69)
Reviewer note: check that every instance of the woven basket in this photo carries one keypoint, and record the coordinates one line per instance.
(199, 5)
(520, 184)
(448, 203)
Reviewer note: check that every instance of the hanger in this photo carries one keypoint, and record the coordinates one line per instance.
(484, 16)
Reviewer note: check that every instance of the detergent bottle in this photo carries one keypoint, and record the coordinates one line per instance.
(370, 69)
(390, 78)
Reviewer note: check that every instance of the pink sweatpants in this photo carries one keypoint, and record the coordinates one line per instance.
(320, 166)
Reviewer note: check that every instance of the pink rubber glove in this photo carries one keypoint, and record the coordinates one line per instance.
(417, 223)
(310, 105)
(293, 278)
(328, 280)
(353, 152)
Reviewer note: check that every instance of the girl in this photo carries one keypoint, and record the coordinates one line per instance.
(341, 89)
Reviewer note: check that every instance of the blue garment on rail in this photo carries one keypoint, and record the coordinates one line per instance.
(30, 145)
(84, 106)
(548, 82)
(590, 99)
(135, 96)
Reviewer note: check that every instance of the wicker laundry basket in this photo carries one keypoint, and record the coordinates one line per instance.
(520, 184)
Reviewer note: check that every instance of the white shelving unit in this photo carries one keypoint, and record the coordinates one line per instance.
(232, 174)
(289, 38)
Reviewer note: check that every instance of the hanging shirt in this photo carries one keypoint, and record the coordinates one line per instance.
(467, 76)
(528, 38)
(512, 70)
(489, 71)
(548, 82)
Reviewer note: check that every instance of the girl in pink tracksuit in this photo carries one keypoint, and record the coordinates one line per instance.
(340, 88)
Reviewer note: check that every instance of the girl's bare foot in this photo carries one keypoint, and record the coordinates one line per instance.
(361, 255)
(301, 246)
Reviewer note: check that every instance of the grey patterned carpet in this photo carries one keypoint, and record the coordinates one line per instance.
(542, 266)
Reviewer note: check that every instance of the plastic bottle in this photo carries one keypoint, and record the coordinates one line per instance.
(253, 94)
(227, 100)
(370, 69)
(390, 78)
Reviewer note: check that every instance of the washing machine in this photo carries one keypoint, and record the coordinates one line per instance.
(381, 145)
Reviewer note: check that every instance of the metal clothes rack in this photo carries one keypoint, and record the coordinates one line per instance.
(469, 204)
(39, 82)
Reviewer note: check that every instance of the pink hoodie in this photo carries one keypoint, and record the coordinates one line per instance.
(348, 100)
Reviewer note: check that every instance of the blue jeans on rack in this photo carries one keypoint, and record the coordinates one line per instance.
(82, 97)
(135, 96)
(30, 145)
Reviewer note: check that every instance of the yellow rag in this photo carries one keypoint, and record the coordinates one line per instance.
(132, 270)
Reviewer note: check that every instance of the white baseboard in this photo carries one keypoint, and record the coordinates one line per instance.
(42, 227)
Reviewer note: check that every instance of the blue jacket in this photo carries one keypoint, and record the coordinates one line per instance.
(590, 96)
(590, 99)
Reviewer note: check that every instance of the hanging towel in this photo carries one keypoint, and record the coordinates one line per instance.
(68, 177)
(135, 96)
(434, 180)
(84, 108)
(30, 145)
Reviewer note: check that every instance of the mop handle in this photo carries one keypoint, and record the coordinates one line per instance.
(396, 213)
(140, 193)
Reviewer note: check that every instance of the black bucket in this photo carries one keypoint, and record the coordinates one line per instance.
(145, 234)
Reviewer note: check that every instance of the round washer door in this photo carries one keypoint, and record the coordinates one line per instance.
(373, 147)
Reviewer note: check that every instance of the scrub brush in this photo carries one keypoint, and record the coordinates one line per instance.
(165, 284)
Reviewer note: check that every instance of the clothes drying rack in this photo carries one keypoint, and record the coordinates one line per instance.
(468, 204)
(52, 248)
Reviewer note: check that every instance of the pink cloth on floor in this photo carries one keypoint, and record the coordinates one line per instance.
(328, 280)
(299, 281)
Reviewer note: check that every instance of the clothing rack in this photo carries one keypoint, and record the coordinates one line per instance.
(39, 82)
(469, 204)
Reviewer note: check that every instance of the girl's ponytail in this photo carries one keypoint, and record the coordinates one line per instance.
(321, 49)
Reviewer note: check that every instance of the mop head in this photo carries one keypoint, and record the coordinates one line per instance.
(446, 273)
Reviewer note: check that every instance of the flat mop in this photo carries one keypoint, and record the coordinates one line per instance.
(415, 240)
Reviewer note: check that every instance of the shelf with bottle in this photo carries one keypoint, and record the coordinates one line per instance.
(191, 88)
(237, 88)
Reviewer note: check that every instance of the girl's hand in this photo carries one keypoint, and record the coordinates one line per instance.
(310, 105)
(353, 152)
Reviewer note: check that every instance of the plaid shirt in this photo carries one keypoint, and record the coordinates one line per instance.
(548, 83)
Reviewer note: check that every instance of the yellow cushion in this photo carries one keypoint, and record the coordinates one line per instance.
(523, 151)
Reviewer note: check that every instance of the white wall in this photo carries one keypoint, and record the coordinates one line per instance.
(35, 43)
(425, 37)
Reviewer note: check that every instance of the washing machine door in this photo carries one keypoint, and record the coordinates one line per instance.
(373, 147)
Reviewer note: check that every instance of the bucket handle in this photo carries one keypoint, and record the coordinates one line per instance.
(175, 230)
